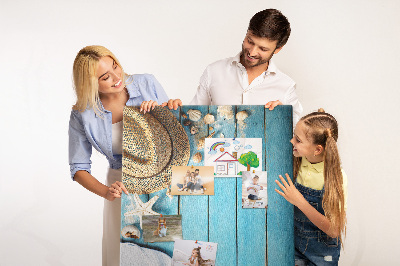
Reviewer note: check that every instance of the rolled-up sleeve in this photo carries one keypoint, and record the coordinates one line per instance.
(80, 148)
(159, 91)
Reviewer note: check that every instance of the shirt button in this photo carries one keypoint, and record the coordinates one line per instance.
(309, 173)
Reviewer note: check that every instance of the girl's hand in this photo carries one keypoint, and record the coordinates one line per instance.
(290, 192)
(147, 106)
(115, 191)
(173, 104)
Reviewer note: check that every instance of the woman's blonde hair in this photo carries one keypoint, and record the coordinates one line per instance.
(322, 129)
(86, 83)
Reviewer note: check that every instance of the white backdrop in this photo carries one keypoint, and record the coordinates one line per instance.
(344, 56)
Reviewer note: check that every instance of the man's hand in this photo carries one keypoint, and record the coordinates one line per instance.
(173, 104)
(272, 104)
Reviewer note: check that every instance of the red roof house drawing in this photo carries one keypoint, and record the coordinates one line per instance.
(226, 164)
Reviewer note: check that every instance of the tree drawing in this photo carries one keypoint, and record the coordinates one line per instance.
(249, 159)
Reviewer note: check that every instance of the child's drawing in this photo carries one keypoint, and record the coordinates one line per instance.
(231, 156)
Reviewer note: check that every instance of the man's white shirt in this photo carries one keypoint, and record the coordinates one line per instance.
(225, 82)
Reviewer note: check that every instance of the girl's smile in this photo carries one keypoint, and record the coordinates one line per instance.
(303, 147)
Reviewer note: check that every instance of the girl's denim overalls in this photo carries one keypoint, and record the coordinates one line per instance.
(312, 246)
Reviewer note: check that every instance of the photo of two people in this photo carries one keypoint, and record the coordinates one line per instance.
(192, 180)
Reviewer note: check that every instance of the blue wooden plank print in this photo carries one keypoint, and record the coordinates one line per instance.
(244, 236)
(222, 206)
(251, 223)
(194, 209)
(279, 160)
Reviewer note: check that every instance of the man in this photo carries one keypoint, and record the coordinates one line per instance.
(199, 181)
(251, 78)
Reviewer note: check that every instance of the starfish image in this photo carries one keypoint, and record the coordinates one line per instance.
(141, 208)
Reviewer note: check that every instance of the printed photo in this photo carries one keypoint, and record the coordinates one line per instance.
(192, 180)
(190, 252)
(254, 189)
(162, 228)
(230, 157)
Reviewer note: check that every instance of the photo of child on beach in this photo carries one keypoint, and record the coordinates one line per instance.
(192, 180)
(254, 190)
(194, 253)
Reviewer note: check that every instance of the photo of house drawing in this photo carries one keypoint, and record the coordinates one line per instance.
(232, 156)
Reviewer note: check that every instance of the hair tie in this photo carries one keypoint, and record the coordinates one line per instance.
(328, 132)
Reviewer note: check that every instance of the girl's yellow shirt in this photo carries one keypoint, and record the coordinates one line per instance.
(312, 176)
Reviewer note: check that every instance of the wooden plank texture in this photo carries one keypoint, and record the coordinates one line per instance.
(251, 223)
(222, 206)
(244, 236)
(278, 128)
(194, 209)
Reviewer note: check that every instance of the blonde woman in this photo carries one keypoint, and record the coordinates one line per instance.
(103, 89)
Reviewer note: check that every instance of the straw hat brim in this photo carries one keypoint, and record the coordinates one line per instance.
(152, 144)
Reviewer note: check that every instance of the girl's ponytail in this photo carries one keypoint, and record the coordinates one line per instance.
(333, 201)
(323, 130)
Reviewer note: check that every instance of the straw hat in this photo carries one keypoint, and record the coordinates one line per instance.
(152, 143)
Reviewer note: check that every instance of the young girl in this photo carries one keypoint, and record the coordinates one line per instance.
(196, 259)
(319, 193)
(103, 89)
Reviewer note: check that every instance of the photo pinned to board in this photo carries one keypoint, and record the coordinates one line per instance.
(162, 228)
(192, 180)
(254, 189)
(190, 252)
(230, 157)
